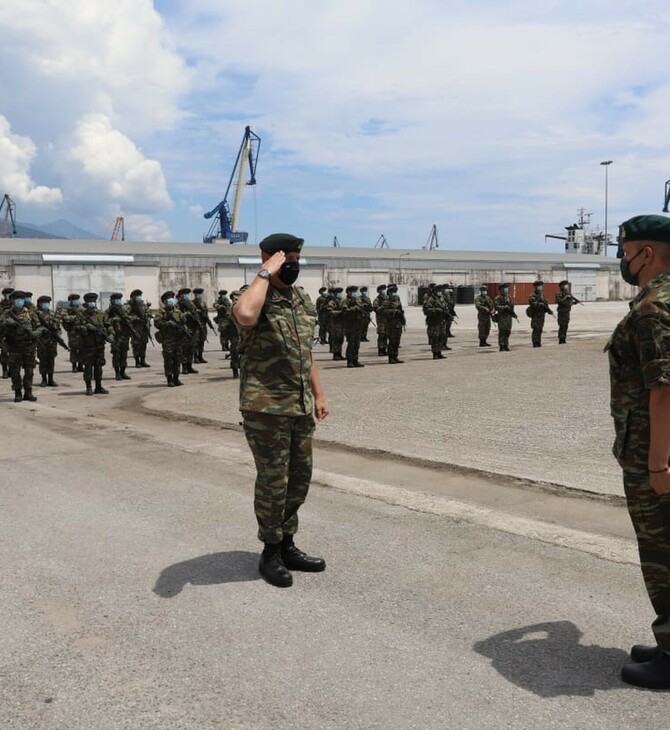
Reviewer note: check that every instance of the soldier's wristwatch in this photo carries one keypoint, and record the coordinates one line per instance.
(264, 274)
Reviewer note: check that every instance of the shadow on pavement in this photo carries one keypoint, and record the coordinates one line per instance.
(548, 660)
(213, 569)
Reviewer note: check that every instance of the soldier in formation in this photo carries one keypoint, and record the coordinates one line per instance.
(321, 305)
(192, 322)
(122, 329)
(504, 315)
(395, 321)
(5, 306)
(336, 323)
(68, 317)
(20, 330)
(485, 310)
(366, 304)
(173, 335)
(47, 344)
(234, 336)
(139, 313)
(435, 313)
(450, 305)
(94, 331)
(204, 322)
(352, 315)
(223, 319)
(564, 302)
(538, 307)
(380, 316)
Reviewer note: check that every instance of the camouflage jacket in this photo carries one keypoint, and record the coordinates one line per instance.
(351, 313)
(334, 312)
(170, 324)
(86, 316)
(191, 316)
(538, 304)
(68, 317)
(377, 306)
(139, 314)
(639, 359)
(504, 307)
(393, 312)
(20, 328)
(51, 324)
(366, 304)
(321, 303)
(433, 309)
(564, 301)
(277, 355)
(118, 318)
(484, 306)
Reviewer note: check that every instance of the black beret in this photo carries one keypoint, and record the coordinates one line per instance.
(322, 289)
(116, 295)
(565, 281)
(166, 295)
(17, 294)
(222, 292)
(183, 291)
(7, 291)
(502, 286)
(44, 298)
(351, 288)
(539, 282)
(645, 228)
(381, 286)
(27, 294)
(393, 288)
(90, 297)
(198, 290)
(136, 293)
(337, 290)
(483, 286)
(72, 297)
(363, 288)
(281, 242)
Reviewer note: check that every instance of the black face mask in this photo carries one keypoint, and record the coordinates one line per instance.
(626, 275)
(289, 272)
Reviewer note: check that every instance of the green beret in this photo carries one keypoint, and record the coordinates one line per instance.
(645, 228)
(281, 242)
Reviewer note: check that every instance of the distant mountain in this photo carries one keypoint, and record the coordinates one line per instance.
(30, 231)
(64, 229)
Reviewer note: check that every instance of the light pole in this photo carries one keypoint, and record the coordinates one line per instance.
(606, 164)
(400, 266)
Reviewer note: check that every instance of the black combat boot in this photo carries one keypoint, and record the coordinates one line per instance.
(28, 395)
(99, 389)
(191, 370)
(5, 372)
(170, 381)
(440, 356)
(380, 352)
(176, 380)
(137, 362)
(641, 653)
(80, 368)
(482, 343)
(296, 559)
(561, 341)
(358, 364)
(272, 568)
(184, 370)
(653, 674)
(486, 344)
(144, 363)
(18, 395)
(236, 373)
(117, 375)
(74, 367)
(124, 376)
(50, 380)
(89, 390)
(43, 384)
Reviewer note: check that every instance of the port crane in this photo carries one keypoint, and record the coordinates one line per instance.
(119, 229)
(9, 208)
(667, 196)
(224, 225)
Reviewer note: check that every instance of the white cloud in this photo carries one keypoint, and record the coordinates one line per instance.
(146, 228)
(110, 169)
(16, 155)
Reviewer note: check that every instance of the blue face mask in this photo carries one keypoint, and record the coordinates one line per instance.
(116, 302)
(29, 300)
(289, 272)
(505, 290)
(45, 305)
(186, 298)
(139, 299)
(75, 303)
(538, 289)
(91, 305)
(19, 303)
(171, 302)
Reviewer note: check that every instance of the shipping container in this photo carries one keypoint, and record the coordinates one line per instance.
(521, 291)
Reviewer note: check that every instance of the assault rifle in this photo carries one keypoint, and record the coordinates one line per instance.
(54, 335)
(100, 332)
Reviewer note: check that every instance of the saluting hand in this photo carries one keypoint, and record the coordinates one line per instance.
(274, 263)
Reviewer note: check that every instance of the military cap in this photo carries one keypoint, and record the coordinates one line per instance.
(281, 242)
(43, 298)
(337, 290)
(198, 290)
(7, 291)
(381, 286)
(565, 281)
(539, 282)
(351, 288)
(73, 297)
(392, 288)
(483, 286)
(322, 290)
(431, 285)
(183, 291)
(645, 228)
(223, 292)
(27, 294)
(363, 288)
(90, 297)
(166, 295)
(116, 295)
(135, 293)
(502, 286)
(17, 294)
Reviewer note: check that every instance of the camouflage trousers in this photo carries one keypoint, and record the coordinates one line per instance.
(323, 329)
(483, 326)
(435, 336)
(353, 344)
(119, 351)
(563, 322)
(139, 344)
(336, 339)
(21, 359)
(382, 334)
(282, 450)
(536, 327)
(46, 353)
(394, 335)
(74, 343)
(504, 331)
(650, 515)
(172, 357)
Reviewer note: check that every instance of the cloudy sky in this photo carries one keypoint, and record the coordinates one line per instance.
(488, 119)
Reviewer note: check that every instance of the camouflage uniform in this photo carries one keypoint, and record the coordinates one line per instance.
(450, 306)
(564, 302)
(485, 308)
(394, 315)
(118, 318)
(204, 322)
(321, 305)
(434, 312)
(352, 314)
(139, 314)
(336, 323)
(94, 331)
(504, 307)
(639, 360)
(538, 307)
(5, 306)
(192, 322)
(47, 347)
(277, 407)
(172, 334)
(21, 330)
(68, 317)
(366, 304)
(380, 316)
(224, 319)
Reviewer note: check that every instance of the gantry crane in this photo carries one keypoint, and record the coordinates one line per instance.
(224, 226)
(9, 207)
(119, 229)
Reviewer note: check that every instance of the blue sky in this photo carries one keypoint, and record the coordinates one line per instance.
(487, 119)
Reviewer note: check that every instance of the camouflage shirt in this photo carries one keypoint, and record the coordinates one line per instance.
(564, 301)
(484, 306)
(277, 361)
(639, 359)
